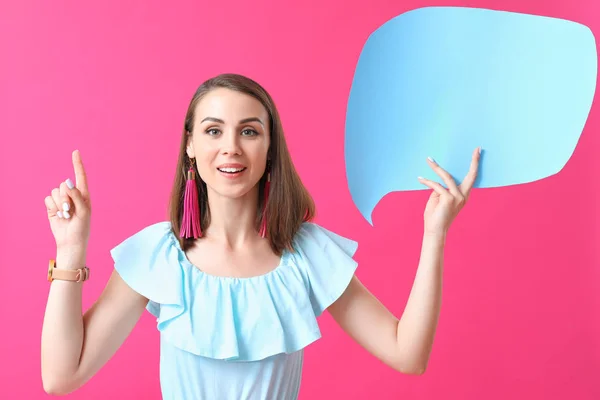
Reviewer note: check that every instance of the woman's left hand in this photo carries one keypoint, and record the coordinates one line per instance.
(445, 204)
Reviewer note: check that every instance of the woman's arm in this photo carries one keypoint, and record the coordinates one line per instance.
(405, 344)
(75, 347)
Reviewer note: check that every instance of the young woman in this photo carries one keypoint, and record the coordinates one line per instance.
(239, 274)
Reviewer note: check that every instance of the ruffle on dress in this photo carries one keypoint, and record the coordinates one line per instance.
(242, 319)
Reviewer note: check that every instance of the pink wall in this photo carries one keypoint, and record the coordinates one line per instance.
(520, 317)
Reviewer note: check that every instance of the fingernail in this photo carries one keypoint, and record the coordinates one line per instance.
(479, 149)
(59, 213)
(66, 214)
(420, 178)
(69, 183)
(66, 206)
(431, 159)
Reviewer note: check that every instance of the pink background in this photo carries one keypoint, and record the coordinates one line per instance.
(520, 316)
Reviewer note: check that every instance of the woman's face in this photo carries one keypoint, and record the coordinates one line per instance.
(230, 142)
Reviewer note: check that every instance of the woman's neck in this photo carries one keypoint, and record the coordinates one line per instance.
(233, 221)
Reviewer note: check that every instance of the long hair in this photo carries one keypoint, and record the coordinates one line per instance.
(289, 203)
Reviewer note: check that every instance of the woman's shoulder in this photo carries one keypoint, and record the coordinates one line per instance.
(147, 260)
(313, 237)
(309, 233)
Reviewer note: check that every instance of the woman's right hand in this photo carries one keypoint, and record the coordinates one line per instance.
(71, 228)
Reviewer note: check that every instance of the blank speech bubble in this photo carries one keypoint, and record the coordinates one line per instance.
(440, 81)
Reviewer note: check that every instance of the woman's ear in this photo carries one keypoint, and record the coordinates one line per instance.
(190, 146)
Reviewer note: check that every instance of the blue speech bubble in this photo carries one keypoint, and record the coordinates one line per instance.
(440, 81)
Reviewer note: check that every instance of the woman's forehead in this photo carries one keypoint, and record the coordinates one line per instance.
(229, 106)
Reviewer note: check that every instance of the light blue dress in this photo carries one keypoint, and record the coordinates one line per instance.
(235, 338)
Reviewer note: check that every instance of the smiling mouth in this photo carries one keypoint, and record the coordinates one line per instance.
(231, 170)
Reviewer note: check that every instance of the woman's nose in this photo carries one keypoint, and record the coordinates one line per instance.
(231, 143)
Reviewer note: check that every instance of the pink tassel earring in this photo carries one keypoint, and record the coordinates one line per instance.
(190, 225)
(263, 224)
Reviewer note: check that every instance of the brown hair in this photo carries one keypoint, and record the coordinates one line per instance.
(289, 203)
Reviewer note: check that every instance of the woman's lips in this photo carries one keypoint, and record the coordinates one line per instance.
(231, 171)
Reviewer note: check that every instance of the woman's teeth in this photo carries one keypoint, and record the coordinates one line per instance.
(231, 170)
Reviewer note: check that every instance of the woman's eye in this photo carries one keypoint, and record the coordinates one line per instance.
(212, 132)
(249, 132)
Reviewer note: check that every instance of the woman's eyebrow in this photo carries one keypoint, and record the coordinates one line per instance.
(243, 121)
(251, 119)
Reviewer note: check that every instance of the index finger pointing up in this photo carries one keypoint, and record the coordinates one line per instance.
(80, 177)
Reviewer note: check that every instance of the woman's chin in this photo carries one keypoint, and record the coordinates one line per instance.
(232, 193)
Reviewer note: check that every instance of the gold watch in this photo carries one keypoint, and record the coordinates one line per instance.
(73, 275)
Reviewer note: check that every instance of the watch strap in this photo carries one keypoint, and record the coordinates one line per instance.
(73, 275)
